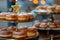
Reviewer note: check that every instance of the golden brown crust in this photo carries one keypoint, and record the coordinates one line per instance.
(25, 18)
(2, 16)
(22, 29)
(43, 25)
(31, 33)
(11, 29)
(19, 35)
(11, 17)
(5, 34)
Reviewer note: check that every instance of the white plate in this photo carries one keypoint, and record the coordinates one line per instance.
(41, 10)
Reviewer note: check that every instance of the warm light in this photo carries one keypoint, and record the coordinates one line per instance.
(16, 0)
(35, 1)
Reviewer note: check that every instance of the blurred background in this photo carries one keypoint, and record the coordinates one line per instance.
(6, 4)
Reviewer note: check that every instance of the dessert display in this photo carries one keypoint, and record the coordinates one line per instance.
(11, 17)
(45, 9)
(43, 24)
(20, 34)
(30, 31)
(33, 28)
(23, 17)
(24, 32)
(13, 31)
(46, 24)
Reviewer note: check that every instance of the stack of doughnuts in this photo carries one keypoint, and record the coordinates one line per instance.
(23, 32)
(11, 17)
(25, 17)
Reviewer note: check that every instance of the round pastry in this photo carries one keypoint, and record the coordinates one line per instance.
(11, 29)
(11, 17)
(22, 18)
(52, 25)
(43, 25)
(5, 34)
(31, 32)
(31, 17)
(20, 34)
(22, 29)
(2, 16)
(26, 17)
